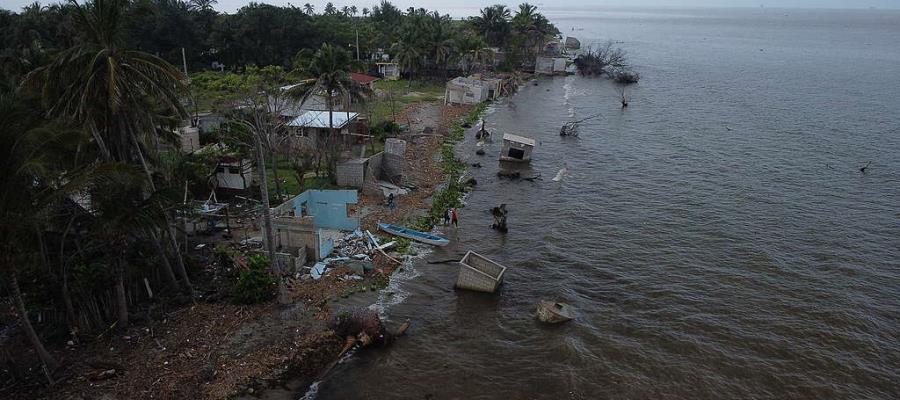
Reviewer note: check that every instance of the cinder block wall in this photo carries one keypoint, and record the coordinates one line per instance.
(350, 174)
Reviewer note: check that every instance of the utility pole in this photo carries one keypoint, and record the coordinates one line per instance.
(357, 44)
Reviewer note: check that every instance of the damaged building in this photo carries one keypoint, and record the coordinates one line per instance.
(305, 227)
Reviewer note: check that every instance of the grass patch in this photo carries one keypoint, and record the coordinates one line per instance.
(449, 196)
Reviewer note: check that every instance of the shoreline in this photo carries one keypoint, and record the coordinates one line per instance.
(215, 349)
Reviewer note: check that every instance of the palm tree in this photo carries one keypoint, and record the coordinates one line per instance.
(330, 9)
(123, 211)
(345, 10)
(22, 164)
(112, 91)
(493, 24)
(365, 12)
(440, 42)
(408, 55)
(309, 9)
(353, 11)
(201, 5)
(328, 74)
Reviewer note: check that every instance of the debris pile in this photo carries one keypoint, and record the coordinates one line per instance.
(354, 251)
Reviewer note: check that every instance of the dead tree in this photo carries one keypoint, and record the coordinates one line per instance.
(571, 128)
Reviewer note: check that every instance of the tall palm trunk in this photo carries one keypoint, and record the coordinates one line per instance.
(42, 352)
(332, 148)
(275, 178)
(164, 261)
(267, 221)
(121, 299)
(264, 197)
(173, 238)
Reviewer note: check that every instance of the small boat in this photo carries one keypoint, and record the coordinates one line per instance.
(554, 312)
(414, 234)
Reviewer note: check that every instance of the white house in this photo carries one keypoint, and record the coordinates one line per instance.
(234, 174)
(389, 70)
(471, 90)
(315, 124)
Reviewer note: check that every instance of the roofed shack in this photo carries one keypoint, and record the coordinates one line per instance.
(315, 124)
(516, 148)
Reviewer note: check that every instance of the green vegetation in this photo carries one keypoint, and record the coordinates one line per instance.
(254, 284)
(450, 196)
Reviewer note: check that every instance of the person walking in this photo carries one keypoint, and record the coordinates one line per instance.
(447, 217)
(454, 216)
(391, 203)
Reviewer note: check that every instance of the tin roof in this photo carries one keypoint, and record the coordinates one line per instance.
(319, 119)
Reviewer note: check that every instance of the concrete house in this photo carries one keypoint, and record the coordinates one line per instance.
(472, 90)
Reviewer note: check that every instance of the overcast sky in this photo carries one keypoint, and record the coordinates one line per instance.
(447, 6)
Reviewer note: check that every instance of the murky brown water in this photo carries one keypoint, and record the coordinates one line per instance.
(716, 237)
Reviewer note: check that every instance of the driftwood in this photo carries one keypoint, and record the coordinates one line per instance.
(571, 128)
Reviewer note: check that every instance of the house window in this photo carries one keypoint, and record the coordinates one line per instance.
(220, 170)
(234, 170)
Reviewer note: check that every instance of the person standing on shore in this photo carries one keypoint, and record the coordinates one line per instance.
(454, 217)
(391, 203)
(447, 217)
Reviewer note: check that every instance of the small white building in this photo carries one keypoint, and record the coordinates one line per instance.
(516, 148)
(234, 174)
(315, 125)
(389, 70)
(472, 90)
(550, 65)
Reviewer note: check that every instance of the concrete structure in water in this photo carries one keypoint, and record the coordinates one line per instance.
(516, 148)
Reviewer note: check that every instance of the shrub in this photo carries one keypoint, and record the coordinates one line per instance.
(254, 284)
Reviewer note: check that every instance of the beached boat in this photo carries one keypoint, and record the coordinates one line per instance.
(554, 312)
(423, 237)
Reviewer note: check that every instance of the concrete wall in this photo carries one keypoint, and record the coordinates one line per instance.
(190, 138)
(393, 164)
(328, 208)
(550, 65)
(507, 145)
(355, 173)
(295, 235)
(351, 173)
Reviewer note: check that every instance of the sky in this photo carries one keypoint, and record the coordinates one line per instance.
(457, 7)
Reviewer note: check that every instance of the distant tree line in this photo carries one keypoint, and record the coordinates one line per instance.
(261, 34)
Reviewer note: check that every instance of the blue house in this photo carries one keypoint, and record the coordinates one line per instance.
(327, 207)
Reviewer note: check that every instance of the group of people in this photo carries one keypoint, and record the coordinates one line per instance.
(451, 217)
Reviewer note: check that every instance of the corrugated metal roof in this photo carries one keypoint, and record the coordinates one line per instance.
(319, 119)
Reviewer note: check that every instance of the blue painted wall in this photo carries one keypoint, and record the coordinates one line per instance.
(328, 208)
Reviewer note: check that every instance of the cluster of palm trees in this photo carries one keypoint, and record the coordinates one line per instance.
(330, 9)
(434, 43)
(84, 193)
